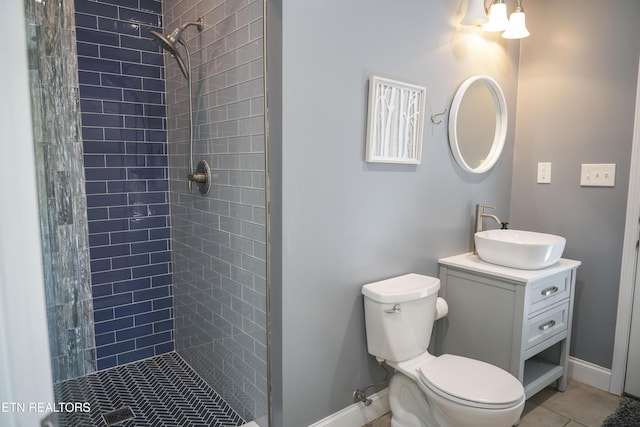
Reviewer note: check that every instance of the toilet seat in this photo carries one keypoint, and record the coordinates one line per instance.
(471, 382)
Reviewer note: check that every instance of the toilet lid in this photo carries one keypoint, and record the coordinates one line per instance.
(474, 382)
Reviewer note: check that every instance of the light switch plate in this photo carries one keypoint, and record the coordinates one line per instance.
(544, 173)
(598, 175)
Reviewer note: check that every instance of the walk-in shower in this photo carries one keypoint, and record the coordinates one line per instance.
(201, 176)
(162, 278)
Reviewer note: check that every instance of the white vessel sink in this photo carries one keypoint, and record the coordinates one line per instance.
(527, 250)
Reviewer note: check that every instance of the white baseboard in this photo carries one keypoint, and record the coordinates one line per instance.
(358, 414)
(589, 374)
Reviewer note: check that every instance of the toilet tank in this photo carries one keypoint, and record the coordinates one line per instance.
(399, 315)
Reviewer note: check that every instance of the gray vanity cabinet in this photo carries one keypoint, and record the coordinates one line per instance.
(519, 320)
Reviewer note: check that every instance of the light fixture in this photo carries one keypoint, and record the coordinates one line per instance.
(516, 28)
(497, 17)
(475, 14)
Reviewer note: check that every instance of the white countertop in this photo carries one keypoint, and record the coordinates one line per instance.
(472, 262)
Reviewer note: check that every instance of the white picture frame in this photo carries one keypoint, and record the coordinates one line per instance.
(395, 121)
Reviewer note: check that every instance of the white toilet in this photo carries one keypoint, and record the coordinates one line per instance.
(430, 391)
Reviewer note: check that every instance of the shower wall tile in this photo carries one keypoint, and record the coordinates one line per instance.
(124, 131)
(219, 250)
(61, 197)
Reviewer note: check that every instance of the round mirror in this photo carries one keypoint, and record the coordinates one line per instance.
(478, 124)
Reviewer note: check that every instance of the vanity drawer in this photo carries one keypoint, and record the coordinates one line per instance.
(545, 325)
(548, 291)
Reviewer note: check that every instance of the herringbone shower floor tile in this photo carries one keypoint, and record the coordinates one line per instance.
(162, 392)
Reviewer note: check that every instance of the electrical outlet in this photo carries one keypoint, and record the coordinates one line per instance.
(598, 175)
(544, 173)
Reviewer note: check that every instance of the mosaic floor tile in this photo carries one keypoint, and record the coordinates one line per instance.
(161, 392)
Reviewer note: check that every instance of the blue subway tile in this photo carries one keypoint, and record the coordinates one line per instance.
(126, 161)
(110, 147)
(149, 222)
(138, 122)
(126, 186)
(96, 64)
(120, 54)
(96, 187)
(159, 233)
(122, 108)
(110, 276)
(147, 198)
(150, 294)
(106, 174)
(84, 20)
(152, 58)
(103, 315)
(166, 347)
(112, 301)
(130, 261)
(160, 303)
(128, 211)
(113, 325)
(154, 316)
(99, 239)
(144, 44)
(132, 95)
(140, 70)
(98, 92)
(101, 265)
(88, 35)
(156, 135)
(135, 332)
(155, 110)
(88, 50)
(166, 325)
(130, 236)
(154, 339)
(95, 8)
(158, 185)
(154, 6)
(95, 161)
(139, 16)
(115, 349)
(153, 85)
(97, 200)
(108, 225)
(157, 161)
(133, 309)
(101, 290)
(146, 148)
(162, 280)
(108, 251)
(96, 214)
(151, 270)
(131, 285)
(133, 356)
(107, 362)
(104, 339)
(160, 257)
(119, 27)
(146, 173)
(92, 133)
(102, 120)
(114, 80)
(112, 134)
(147, 247)
(90, 106)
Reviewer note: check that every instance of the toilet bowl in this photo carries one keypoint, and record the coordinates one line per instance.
(430, 391)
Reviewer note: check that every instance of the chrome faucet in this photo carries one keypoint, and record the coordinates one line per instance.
(480, 215)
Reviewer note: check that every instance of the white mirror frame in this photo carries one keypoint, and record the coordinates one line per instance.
(501, 124)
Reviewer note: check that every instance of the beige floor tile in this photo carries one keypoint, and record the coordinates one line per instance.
(582, 403)
(538, 416)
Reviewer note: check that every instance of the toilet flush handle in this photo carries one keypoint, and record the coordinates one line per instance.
(396, 309)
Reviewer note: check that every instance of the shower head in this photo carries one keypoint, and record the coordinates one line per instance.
(169, 43)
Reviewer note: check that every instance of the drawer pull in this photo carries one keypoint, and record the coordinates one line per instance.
(549, 324)
(549, 291)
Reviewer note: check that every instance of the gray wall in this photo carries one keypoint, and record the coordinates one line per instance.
(576, 101)
(346, 222)
(219, 240)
